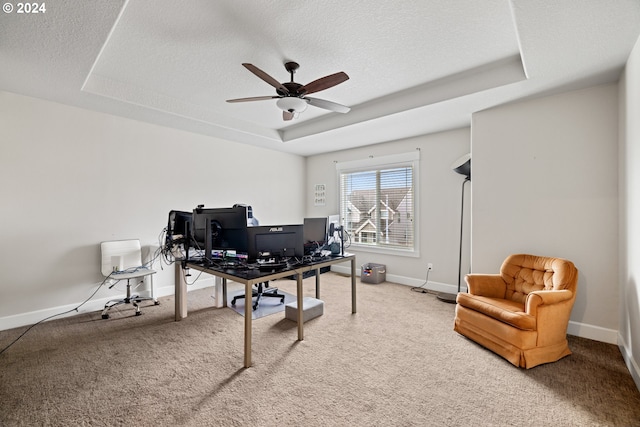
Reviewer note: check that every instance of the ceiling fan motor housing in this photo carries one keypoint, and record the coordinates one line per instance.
(293, 88)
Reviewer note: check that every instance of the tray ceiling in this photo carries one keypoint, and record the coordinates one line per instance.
(415, 67)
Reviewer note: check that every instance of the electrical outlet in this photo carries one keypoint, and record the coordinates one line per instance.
(429, 266)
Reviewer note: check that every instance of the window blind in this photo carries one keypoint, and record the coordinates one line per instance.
(377, 203)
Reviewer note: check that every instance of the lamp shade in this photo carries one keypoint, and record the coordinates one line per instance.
(463, 165)
(292, 104)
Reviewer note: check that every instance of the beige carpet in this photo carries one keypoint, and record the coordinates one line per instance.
(397, 362)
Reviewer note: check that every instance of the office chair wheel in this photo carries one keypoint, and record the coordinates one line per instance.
(156, 303)
(138, 313)
(105, 316)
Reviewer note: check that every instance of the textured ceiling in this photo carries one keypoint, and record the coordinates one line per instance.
(415, 67)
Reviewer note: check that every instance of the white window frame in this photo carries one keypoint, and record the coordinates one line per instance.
(411, 159)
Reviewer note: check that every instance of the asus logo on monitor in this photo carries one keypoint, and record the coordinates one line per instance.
(272, 229)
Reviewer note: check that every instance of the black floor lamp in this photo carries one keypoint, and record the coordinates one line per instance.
(463, 167)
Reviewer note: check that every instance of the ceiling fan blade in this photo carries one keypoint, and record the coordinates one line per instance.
(324, 83)
(266, 77)
(254, 98)
(327, 105)
(286, 115)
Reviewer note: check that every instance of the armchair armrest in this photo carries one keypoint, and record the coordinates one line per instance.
(551, 310)
(538, 298)
(486, 285)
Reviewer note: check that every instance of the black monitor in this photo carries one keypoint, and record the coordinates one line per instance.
(315, 233)
(276, 241)
(179, 225)
(177, 233)
(221, 231)
(178, 230)
(315, 230)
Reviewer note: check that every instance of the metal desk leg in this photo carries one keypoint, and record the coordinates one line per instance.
(151, 289)
(317, 283)
(224, 291)
(353, 285)
(180, 292)
(300, 307)
(248, 312)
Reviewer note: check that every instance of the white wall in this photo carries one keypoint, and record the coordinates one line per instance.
(629, 159)
(71, 178)
(545, 182)
(439, 200)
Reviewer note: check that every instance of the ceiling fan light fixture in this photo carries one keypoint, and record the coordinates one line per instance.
(292, 104)
(292, 99)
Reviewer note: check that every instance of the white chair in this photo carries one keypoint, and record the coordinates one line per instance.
(122, 260)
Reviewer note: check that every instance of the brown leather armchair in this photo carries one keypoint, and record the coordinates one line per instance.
(522, 313)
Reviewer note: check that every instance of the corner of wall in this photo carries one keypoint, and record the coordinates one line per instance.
(632, 366)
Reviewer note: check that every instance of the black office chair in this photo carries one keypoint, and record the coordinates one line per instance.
(261, 290)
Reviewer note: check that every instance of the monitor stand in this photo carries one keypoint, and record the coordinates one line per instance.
(208, 244)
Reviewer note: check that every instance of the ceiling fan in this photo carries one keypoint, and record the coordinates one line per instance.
(292, 97)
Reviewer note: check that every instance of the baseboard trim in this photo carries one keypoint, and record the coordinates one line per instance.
(596, 333)
(633, 367)
(578, 329)
(575, 328)
(59, 312)
(432, 286)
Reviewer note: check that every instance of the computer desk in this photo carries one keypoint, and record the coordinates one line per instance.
(254, 276)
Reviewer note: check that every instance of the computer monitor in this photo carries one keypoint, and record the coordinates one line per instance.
(276, 241)
(315, 230)
(315, 234)
(179, 225)
(178, 231)
(220, 231)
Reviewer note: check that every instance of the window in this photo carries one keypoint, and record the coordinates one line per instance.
(378, 202)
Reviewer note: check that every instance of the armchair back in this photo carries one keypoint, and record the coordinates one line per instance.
(527, 273)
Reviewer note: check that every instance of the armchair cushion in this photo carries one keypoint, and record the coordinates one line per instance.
(523, 312)
(504, 310)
